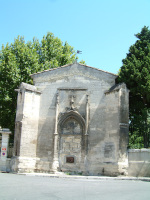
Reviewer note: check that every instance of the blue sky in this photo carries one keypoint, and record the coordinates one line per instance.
(102, 29)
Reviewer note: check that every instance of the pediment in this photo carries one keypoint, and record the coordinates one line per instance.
(71, 70)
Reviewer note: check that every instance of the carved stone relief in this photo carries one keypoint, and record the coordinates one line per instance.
(71, 126)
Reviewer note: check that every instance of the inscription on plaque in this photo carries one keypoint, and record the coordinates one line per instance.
(109, 150)
(69, 159)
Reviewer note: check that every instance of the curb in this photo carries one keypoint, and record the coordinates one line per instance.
(86, 177)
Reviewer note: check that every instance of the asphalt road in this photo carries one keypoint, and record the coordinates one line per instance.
(21, 187)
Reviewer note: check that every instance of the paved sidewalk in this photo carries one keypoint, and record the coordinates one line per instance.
(63, 175)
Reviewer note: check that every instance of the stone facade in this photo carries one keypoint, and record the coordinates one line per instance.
(73, 119)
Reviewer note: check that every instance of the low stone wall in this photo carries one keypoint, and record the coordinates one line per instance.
(139, 162)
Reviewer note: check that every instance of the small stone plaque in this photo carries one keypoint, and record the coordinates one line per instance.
(69, 159)
(109, 150)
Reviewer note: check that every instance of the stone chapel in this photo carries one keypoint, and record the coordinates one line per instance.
(73, 119)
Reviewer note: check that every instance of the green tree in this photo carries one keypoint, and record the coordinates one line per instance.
(135, 72)
(20, 59)
(52, 52)
(17, 62)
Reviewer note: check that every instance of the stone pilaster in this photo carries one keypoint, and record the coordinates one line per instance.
(87, 115)
(123, 128)
(4, 149)
(55, 158)
(4, 146)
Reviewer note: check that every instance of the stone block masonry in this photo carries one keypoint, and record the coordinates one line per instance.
(74, 118)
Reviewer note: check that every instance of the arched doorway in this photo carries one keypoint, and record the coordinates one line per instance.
(71, 128)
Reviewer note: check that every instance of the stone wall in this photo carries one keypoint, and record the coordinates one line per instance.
(103, 140)
(90, 97)
(26, 128)
(139, 162)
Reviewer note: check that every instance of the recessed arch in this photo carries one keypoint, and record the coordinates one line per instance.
(71, 123)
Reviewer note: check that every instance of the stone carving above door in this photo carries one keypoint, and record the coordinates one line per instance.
(71, 126)
(72, 101)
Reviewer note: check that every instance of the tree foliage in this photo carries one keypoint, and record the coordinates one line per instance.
(20, 59)
(135, 72)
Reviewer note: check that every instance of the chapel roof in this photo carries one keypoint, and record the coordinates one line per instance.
(52, 69)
